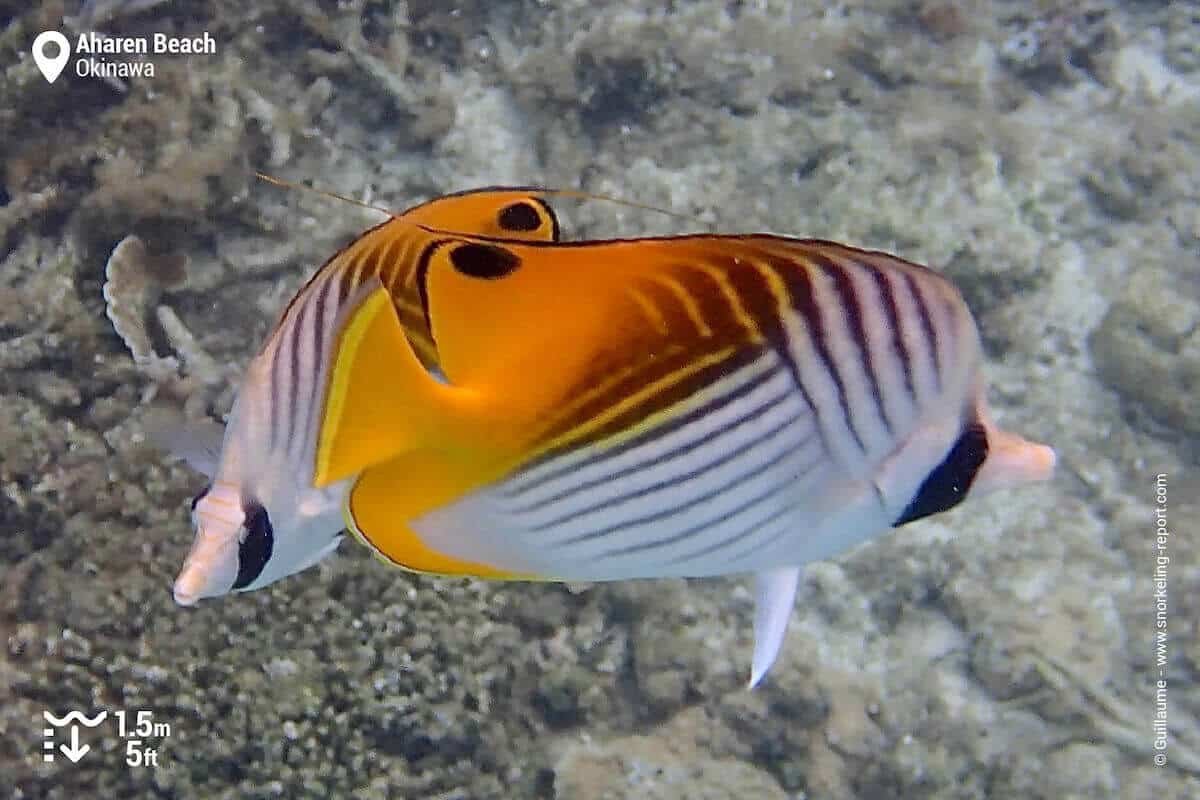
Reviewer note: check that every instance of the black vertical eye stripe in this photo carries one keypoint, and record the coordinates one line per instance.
(255, 548)
(200, 496)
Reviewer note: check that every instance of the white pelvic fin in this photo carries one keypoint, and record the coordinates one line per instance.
(775, 595)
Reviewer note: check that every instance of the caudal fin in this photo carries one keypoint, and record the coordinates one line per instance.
(1012, 461)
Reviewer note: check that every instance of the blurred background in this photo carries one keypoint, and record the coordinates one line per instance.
(1044, 154)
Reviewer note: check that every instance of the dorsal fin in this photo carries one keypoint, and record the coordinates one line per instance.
(497, 308)
(513, 214)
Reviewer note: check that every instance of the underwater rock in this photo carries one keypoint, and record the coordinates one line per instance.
(670, 764)
(1148, 349)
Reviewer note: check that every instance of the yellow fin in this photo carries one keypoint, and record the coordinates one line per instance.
(380, 401)
(386, 496)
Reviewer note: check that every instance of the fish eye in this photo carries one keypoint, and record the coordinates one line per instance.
(255, 544)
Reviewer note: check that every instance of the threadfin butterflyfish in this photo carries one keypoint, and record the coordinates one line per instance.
(469, 395)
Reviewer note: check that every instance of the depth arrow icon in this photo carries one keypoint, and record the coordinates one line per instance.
(76, 750)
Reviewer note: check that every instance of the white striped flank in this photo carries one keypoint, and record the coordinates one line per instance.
(297, 358)
(918, 322)
(845, 345)
(885, 357)
(315, 342)
(639, 490)
(686, 499)
(570, 470)
(935, 327)
(815, 376)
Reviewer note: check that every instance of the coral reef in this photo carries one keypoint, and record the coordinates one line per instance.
(671, 765)
(1148, 347)
(1044, 154)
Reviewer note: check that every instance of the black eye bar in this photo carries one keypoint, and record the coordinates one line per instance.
(200, 495)
(254, 551)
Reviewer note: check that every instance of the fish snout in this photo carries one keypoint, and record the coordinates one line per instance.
(210, 568)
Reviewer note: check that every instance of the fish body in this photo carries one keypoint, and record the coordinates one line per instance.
(472, 396)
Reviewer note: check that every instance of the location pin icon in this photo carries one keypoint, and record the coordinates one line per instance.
(51, 66)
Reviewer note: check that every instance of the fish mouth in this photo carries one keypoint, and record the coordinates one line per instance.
(183, 595)
(190, 587)
(209, 570)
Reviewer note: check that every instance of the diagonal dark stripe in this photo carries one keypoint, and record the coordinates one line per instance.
(892, 310)
(709, 441)
(852, 305)
(927, 326)
(711, 521)
(666, 428)
(798, 279)
(704, 498)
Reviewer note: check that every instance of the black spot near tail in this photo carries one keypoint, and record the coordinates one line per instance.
(483, 260)
(521, 216)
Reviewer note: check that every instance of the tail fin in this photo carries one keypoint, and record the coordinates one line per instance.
(1012, 461)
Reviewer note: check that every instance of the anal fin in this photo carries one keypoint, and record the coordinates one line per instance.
(387, 497)
(774, 598)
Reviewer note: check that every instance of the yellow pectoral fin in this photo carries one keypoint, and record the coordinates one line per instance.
(385, 497)
(380, 401)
